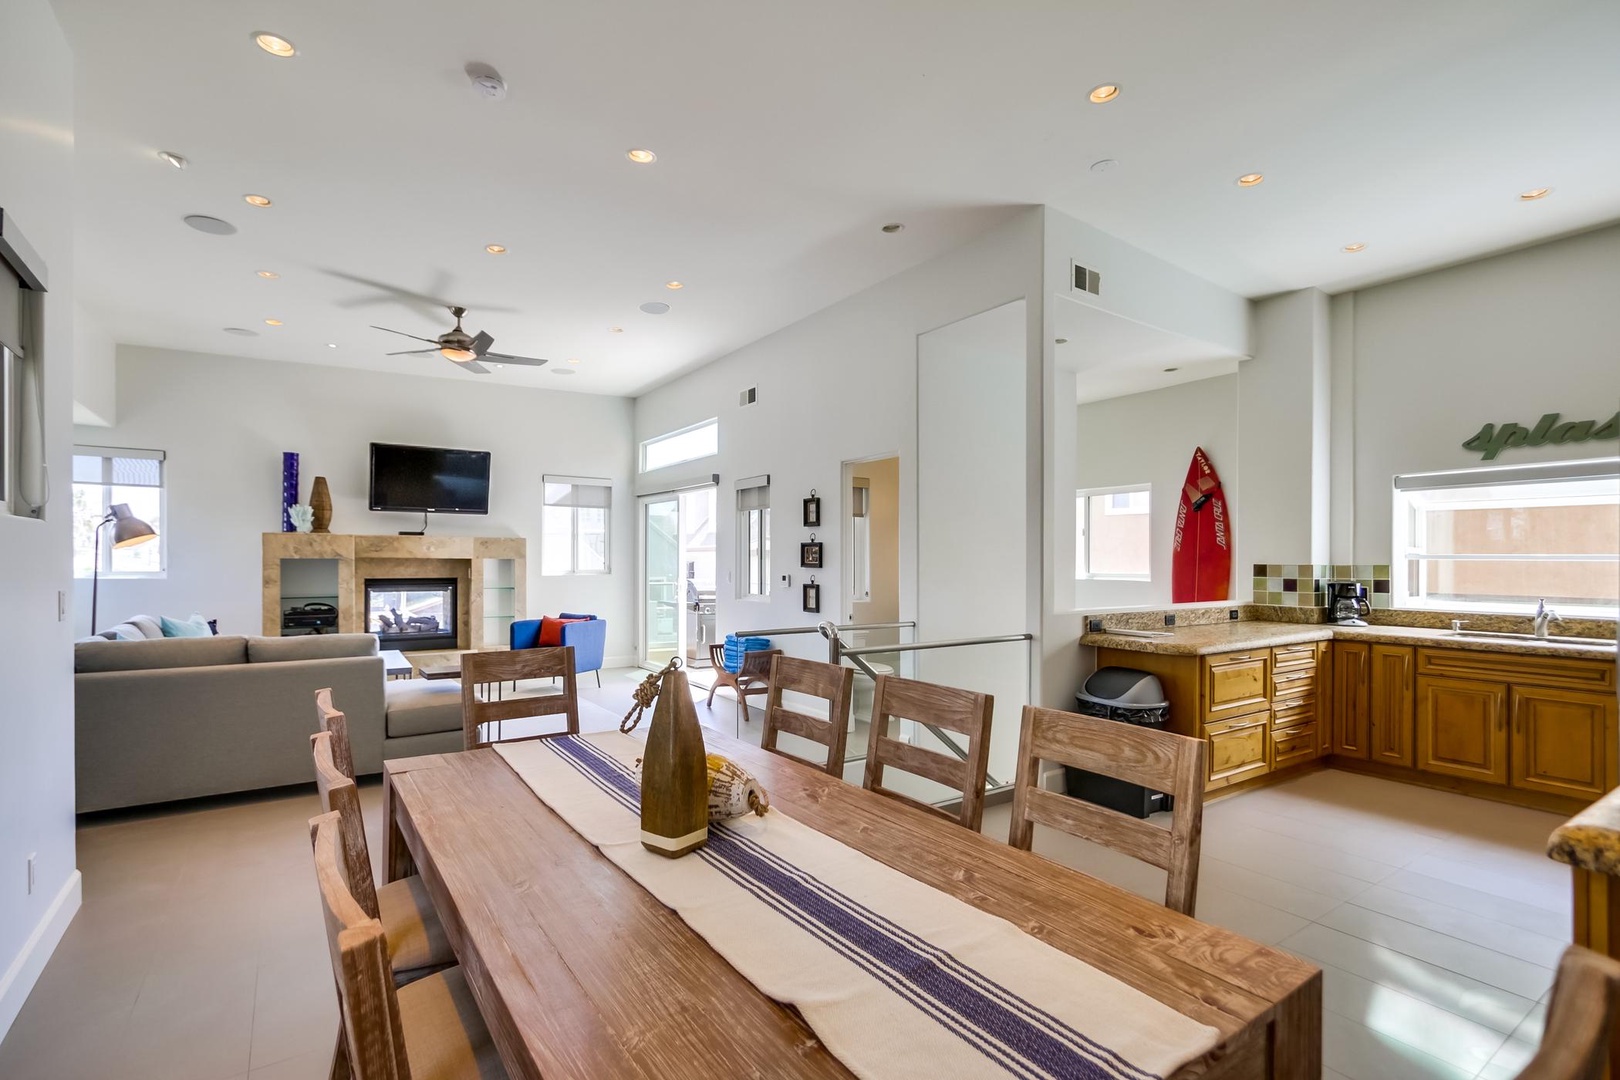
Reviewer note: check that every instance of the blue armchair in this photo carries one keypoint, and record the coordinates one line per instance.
(588, 637)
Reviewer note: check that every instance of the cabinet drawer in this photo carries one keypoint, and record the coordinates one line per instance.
(1236, 683)
(1293, 746)
(1237, 748)
(1292, 712)
(1295, 683)
(1570, 673)
(1294, 656)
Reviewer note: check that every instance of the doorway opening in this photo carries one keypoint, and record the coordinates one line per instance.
(678, 576)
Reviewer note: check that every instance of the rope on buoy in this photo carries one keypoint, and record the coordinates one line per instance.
(646, 694)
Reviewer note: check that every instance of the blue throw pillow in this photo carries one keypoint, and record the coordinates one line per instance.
(193, 627)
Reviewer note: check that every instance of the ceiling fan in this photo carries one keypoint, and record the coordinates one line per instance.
(461, 348)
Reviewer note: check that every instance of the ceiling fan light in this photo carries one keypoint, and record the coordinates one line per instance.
(460, 356)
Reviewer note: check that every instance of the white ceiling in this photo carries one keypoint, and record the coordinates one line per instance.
(1114, 356)
(786, 136)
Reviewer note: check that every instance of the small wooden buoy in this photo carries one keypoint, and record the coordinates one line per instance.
(320, 501)
(674, 774)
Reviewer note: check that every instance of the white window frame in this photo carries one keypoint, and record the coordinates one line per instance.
(754, 520)
(1082, 531)
(712, 423)
(583, 492)
(106, 453)
(1407, 541)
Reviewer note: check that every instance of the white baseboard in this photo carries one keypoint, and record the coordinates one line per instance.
(618, 661)
(20, 977)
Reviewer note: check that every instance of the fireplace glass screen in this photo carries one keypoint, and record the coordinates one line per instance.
(412, 613)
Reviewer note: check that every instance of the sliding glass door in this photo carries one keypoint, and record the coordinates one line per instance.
(660, 579)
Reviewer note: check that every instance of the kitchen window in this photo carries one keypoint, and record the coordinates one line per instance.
(687, 444)
(1112, 539)
(754, 536)
(574, 525)
(1504, 538)
(102, 478)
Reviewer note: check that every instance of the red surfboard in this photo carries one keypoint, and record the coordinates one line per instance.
(1201, 568)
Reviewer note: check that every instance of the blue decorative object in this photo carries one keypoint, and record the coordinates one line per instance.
(289, 489)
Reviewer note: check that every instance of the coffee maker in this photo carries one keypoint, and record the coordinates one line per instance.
(1347, 603)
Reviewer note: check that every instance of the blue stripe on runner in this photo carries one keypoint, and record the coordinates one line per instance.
(988, 1016)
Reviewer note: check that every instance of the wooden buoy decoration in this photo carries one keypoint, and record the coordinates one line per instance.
(674, 770)
(320, 501)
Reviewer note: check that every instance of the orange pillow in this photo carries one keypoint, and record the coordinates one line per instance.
(551, 630)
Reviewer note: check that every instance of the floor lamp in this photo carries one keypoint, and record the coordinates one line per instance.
(128, 530)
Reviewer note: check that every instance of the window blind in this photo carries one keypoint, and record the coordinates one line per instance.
(754, 493)
(117, 465)
(1498, 476)
(578, 491)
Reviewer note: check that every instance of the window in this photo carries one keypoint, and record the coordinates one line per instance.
(574, 525)
(1112, 533)
(860, 535)
(1503, 538)
(754, 536)
(688, 444)
(103, 477)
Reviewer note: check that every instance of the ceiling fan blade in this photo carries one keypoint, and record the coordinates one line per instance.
(471, 365)
(401, 333)
(412, 352)
(521, 361)
(482, 342)
(428, 304)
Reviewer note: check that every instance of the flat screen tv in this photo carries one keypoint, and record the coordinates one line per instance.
(429, 479)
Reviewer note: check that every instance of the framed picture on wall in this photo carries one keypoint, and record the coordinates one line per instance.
(812, 598)
(810, 555)
(812, 512)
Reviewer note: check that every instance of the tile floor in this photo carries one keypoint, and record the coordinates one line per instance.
(199, 953)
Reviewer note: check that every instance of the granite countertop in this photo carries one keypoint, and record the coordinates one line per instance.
(1590, 839)
(1236, 636)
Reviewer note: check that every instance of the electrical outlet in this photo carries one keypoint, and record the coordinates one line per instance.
(32, 858)
(1231, 614)
(787, 581)
(1095, 626)
(1170, 620)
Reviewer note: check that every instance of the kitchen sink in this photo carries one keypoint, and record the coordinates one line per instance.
(1557, 639)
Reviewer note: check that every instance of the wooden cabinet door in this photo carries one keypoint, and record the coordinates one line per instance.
(1237, 748)
(1236, 684)
(1462, 729)
(1351, 686)
(1390, 714)
(1560, 741)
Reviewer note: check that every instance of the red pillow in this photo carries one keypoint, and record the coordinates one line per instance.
(551, 631)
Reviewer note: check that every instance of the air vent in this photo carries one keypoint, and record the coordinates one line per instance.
(1086, 279)
(748, 397)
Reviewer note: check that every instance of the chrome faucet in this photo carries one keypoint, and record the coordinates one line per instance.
(1544, 615)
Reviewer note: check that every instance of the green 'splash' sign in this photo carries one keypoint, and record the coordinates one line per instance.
(1492, 439)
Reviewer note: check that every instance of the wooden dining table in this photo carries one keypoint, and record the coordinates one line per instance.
(581, 973)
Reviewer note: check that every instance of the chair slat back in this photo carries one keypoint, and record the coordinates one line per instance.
(757, 664)
(335, 724)
(340, 796)
(483, 672)
(372, 1031)
(1154, 759)
(832, 683)
(1581, 1038)
(962, 711)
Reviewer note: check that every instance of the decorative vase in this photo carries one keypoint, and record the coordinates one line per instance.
(289, 488)
(674, 775)
(320, 500)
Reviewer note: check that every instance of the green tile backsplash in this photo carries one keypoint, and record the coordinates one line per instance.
(1305, 584)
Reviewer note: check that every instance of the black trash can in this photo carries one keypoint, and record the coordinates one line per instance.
(1130, 697)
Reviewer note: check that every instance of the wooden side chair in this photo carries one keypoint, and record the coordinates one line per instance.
(754, 677)
(417, 944)
(962, 711)
(1153, 759)
(1581, 1037)
(335, 724)
(481, 671)
(428, 1029)
(832, 683)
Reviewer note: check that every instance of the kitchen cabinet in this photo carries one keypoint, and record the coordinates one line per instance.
(1390, 717)
(1237, 748)
(1560, 741)
(1236, 683)
(1462, 728)
(1352, 686)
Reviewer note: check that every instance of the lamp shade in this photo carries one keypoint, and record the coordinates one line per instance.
(129, 530)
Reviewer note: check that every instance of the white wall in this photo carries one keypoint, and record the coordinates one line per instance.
(36, 671)
(1504, 339)
(224, 421)
(95, 375)
(1149, 438)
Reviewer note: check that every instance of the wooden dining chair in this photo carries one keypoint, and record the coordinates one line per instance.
(428, 1029)
(1581, 1037)
(832, 683)
(752, 678)
(417, 943)
(1154, 759)
(483, 672)
(335, 724)
(961, 711)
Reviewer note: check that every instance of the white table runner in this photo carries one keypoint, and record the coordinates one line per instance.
(899, 980)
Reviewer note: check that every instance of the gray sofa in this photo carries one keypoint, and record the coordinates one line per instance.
(177, 718)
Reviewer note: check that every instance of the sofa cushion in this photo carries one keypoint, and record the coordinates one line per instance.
(270, 650)
(159, 653)
(422, 706)
(551, 631)
(196, 626)
(151, 627)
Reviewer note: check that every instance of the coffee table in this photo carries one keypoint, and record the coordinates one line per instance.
(437, 665)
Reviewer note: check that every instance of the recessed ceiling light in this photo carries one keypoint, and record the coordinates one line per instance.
(1351, 249)
(641, 157)
(1103, 94)
(893, 227)
(1168, 370)
(1250, 179)
(269, 275)
(331, 344)
(495, 249)
(674, 285)
(273, 44)
(1534, 193)
(615, 329)
(172, 158)
(211, 225)
(573, 359)
(655, 307)
(562, 371)
(241, 331)
(256, 200)
(272, 322)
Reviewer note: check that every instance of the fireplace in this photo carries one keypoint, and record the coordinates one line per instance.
(412, 613)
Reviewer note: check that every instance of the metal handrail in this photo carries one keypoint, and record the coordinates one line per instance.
(819, 628)
(952, 643)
